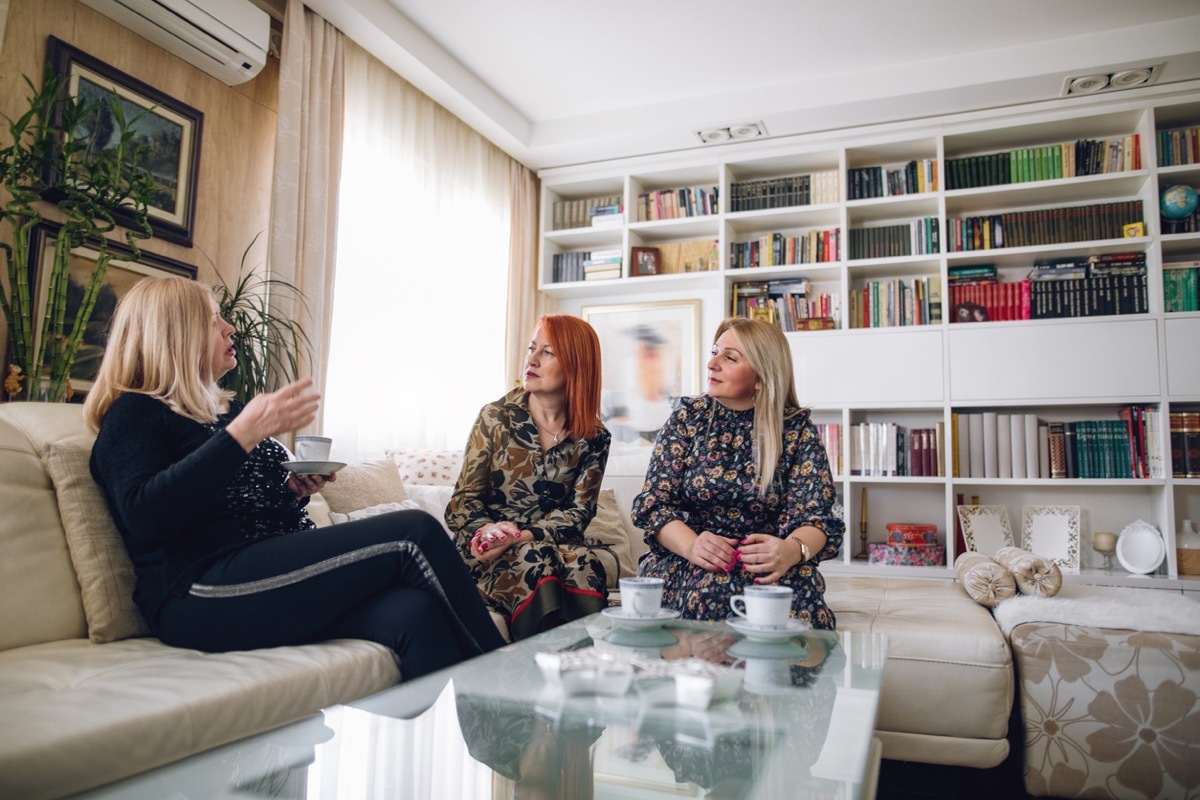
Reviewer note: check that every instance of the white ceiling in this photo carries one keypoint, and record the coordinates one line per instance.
(557, 82)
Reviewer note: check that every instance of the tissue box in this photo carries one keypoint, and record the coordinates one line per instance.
(931, 555)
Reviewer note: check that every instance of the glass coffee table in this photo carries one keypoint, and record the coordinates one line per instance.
(593, 709)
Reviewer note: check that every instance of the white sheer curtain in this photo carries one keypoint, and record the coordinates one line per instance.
(417, 344)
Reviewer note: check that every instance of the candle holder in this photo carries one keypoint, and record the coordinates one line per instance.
(862, 554)
(1105, 545)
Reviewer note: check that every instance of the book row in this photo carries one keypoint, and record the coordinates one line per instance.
(1100, 296)
(1185, 443)
(888, 241)
(579, 213)
(990, 444)
(914, 177)
(1178, 146)
(785, 192)
(586, 265)
(695, 201)
(775, 249)
(889, 303)
(1043, 226)
(831, 437)
(1181, 286)
(1046, 163)
(885, 449)
(787, 303)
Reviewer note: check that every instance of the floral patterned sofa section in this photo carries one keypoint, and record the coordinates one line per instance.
(1109, 690)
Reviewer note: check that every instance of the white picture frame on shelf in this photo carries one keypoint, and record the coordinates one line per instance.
(985, 528)
(1052, 532)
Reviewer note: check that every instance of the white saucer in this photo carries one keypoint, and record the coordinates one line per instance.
(756, 633)
(323, 468)
(618, 615)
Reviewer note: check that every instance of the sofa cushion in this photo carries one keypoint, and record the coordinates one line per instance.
(427, 467)
(984, 581)
(98, 553)
(610, 539)
(39, 595)
(359, 486)
(107, 711)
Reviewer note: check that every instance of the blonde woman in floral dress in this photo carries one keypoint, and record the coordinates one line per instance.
(529, 484)
(738, 491)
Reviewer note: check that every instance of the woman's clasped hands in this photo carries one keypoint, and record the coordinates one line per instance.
(490, 541)
(767, 557)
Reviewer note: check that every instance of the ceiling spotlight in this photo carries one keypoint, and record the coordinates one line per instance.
(1130, 77)
(747, 130)
(1087, 84)
(713, 135)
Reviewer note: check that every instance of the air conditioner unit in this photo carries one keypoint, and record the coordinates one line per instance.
(228, 39)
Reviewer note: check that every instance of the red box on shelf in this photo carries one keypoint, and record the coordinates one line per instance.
(907, 534)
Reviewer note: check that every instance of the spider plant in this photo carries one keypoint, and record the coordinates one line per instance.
(270, 348)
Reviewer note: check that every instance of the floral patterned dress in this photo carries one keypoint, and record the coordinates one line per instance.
(506, 476)
(702, 472)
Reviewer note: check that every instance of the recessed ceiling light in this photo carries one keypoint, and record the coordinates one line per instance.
(1109, 82)
(1130, 77)
(1087, 84)
(713, 135)
(747, 130)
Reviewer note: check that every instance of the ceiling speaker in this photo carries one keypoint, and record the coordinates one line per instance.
(1087, 84)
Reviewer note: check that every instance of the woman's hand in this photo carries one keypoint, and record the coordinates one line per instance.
(273, 413)
(303, 486)
(490, 541)
(768, 557)
(713, 553)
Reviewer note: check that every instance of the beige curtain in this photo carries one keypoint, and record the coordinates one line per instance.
(525, 302)
(308, 163)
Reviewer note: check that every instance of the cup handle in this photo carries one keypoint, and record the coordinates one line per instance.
(733, 603)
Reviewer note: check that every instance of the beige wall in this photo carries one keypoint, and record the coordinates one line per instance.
(237, 145)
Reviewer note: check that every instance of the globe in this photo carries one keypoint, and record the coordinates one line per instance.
(1178, 202)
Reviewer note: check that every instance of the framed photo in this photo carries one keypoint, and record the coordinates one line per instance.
(118, 278)
(1052, 532)
(985, 528)
(169, 129)
(650, 356)
(645, 261)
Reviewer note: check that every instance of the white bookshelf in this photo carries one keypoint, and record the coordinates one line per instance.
(918, 376)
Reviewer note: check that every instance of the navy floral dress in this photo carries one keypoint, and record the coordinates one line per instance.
(702, 472)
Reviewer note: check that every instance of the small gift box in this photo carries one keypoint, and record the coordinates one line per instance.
(930, 555)
(907, 534)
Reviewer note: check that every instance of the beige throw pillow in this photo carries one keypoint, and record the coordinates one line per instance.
(427, 467)
(363, 485)
(102, 564)
(985, 581)
(1034, 574)
(608, 538)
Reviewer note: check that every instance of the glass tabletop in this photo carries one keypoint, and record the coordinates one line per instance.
(593, 709)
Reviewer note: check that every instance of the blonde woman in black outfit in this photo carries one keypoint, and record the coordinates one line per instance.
(225, 555)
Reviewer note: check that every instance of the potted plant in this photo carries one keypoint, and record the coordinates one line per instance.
(270, 348)
(83, 159)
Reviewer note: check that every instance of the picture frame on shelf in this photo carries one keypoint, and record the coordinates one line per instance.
(122, 273)
(644, 261)
(1052, 532)
(650, 358)
(985, 528)
(168, 128)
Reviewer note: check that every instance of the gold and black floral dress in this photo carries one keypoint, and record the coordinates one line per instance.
(506, 476)
(702, 472)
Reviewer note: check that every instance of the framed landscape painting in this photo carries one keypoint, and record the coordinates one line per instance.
(650, 357)
(168, 129)
(118, 278)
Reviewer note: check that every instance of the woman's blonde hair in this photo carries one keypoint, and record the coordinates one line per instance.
(159, 345)
(767, 351)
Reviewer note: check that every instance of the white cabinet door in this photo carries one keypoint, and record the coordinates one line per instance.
(1084, 360)
(884, 365)
(1183, 357)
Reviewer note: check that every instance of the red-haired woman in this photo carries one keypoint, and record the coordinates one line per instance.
(529, 483)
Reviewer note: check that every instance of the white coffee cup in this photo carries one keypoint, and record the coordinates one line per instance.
(313, 448)
(642, 597)
(763, 606)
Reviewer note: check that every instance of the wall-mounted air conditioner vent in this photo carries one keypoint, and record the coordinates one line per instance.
(228, 39)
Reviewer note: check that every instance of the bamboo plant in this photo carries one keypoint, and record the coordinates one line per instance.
(54, 156)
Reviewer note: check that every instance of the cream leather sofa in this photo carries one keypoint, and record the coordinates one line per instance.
(77, 713)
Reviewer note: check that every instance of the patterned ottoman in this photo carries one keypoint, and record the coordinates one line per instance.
(1109, 682)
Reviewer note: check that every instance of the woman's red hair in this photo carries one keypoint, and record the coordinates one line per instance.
(577, 348)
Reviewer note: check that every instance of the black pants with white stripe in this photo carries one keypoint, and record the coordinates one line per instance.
(395, 579)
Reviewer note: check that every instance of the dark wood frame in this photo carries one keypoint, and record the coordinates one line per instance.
(70, 63)
(652, 264)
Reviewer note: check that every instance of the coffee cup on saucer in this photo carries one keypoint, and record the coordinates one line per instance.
(313, 448)
(763, 606)
(641, 597)
(766, 672)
